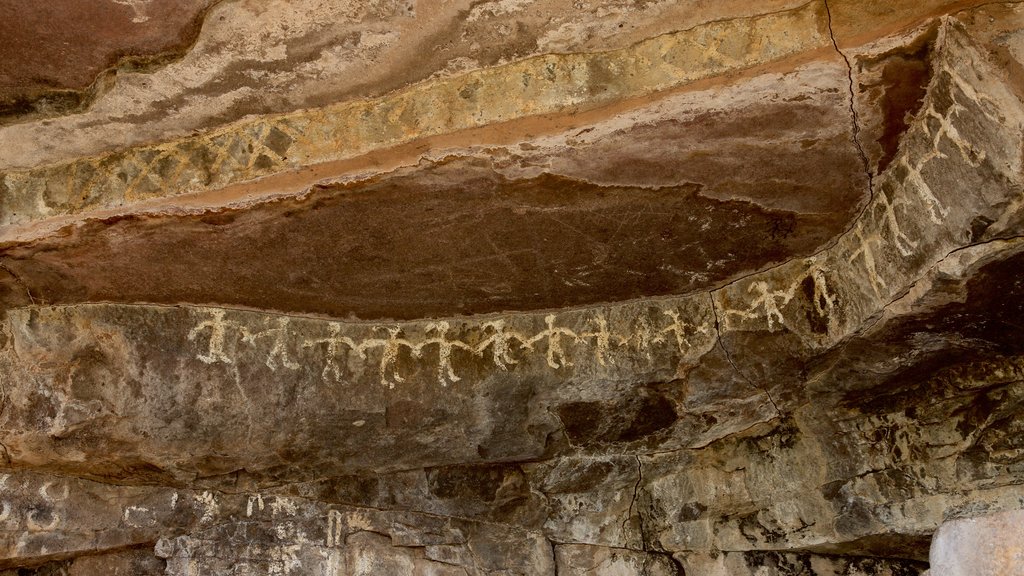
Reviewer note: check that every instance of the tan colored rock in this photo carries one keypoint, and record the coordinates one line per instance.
(576, 560)
(536, 86)
(138, 562)
(981, 546)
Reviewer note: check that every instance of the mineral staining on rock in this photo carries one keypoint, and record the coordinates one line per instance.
(736, 297)
(501, 229)
(536, 86)
(59, 56)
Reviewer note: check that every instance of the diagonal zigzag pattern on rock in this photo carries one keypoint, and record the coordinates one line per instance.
(539, 85)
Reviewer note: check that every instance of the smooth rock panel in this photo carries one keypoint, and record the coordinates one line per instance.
(987, 545)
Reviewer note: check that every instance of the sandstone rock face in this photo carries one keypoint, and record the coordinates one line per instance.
(511, 287)
(60, 55)
(987, 545)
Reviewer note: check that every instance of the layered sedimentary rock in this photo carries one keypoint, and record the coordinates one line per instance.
(515, 288)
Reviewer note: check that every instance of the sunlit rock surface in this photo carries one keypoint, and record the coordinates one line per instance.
(510, 287)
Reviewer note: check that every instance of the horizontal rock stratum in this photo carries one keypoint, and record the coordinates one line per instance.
(509, 287)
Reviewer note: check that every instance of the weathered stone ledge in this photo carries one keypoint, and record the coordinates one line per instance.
(541, 85)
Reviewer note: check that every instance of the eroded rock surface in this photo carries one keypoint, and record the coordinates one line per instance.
(519, 288)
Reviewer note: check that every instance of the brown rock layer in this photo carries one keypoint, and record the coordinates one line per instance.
(54, 53)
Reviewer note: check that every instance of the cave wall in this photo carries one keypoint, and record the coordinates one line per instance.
(622, 288)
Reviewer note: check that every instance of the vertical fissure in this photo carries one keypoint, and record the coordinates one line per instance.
(728, 358)
(854, 117)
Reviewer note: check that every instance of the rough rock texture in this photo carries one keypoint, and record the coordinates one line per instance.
(510, 287)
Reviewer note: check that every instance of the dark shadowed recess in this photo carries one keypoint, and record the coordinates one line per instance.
(903, 75)
(963, 348)
(453, 238)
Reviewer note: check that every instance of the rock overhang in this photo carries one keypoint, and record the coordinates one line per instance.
(793, 188)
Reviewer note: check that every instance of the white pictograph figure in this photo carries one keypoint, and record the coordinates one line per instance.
(945, 129)
(210, 507)
(444, 351)
(824, 301)
(389, 354)
(680, 329)
(868, 244)
(769, 300)
(643, 336)
(903, 243)
(500, 343)
(5, 513)
(46, 492)
(287, 560)
(335, 529)
(974, 157)
(215, 348)
(770, 303)
(505, 343)
(936, 211)
(555, 354)
(602, 340)
(278, 350)
(254, 503)
(138, 516)
(336, 345)
(33, 523)
(46, 488)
